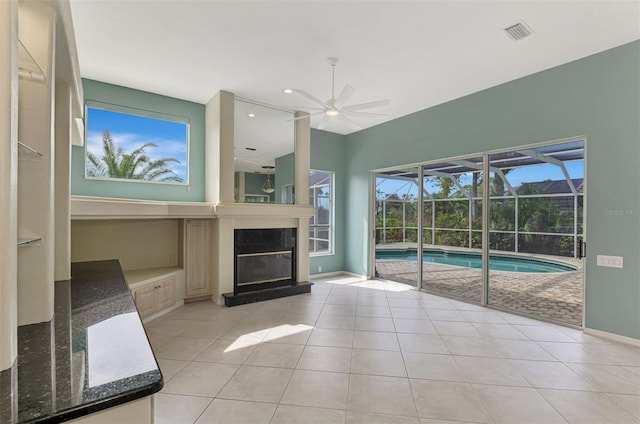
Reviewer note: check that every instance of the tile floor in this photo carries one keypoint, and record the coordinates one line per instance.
(378, 352)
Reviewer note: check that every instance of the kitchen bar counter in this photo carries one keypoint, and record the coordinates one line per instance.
(93, 355)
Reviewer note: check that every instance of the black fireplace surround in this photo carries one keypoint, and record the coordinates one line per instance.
(264, 266)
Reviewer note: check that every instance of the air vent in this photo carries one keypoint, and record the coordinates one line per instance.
(518, 31)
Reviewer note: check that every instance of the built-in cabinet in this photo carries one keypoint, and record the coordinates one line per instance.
(197, 257)
(155, 296)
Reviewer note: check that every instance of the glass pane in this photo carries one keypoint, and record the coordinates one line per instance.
(546, 214)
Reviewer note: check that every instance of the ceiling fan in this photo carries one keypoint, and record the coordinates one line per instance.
(337, 107)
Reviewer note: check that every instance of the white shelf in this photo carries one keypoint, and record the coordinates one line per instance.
(26, 242)
(28, 153)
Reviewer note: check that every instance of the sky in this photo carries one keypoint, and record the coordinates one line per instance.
(132, 131)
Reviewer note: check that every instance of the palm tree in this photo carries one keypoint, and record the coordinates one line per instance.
(115, 163)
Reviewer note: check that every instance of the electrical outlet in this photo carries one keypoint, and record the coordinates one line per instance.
(319, 268)
(609, 261)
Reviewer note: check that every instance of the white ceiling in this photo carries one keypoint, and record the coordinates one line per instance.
(418, 54)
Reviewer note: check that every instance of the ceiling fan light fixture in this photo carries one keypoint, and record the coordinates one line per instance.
(332, 112)
(287, 91)
(268, 187)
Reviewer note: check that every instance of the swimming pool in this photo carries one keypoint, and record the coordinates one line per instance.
(474, 260)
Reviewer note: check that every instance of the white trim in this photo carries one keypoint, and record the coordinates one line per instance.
(612, 336)
(163, 312)
(337, 273)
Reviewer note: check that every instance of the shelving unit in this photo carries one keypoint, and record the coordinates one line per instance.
(28, 68)
(26, 152)
(26, 242)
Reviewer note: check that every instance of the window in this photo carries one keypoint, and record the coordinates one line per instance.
(132, 144)
(321, 223)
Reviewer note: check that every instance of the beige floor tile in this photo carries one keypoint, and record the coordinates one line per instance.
(544, 333)
(490, 371)
(521, 349)
(237, 412)
(414, 326)
(170, 367)
(331, 337)
(205, 330)
(317, 389)
(172, 409)
(183, 348)
(432, 367)
(447, 400)
(159, 340)
(167, 327)
(551, 375)
(357, 417)
(517, 405)
(609, 378)
(587, 407)
(448, 328)
(248, 331)
(629, 403)
(446, 315)
(259, 384)
(422, 343)
(410, 303)
(471, 346)
(575, 352)
(375, 340)
(379, 300)
(227, 352)
(408, 313)
(347, 310)
(484, 316)
(322, 358)
(289, 334)
(377, 362)
(373, 311)
(499, 331)
(289, 414)
(436, 302)
(374, 324)
(275, 355)
(619, 354)
(336, 321)
(382, 395)
(200, 379)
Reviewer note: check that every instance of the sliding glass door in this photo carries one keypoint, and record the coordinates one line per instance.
(452, 228)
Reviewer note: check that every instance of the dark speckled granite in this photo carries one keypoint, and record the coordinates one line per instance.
(93, 355)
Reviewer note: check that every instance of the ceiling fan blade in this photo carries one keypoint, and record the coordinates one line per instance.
(304, 116)
(370, 105)
(310, 97)
(344, 97)
(323, 123)
(365, 114)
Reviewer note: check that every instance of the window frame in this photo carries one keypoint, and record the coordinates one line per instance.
(331, 227)
(129, 110)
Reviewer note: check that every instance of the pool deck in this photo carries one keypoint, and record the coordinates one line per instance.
(555, 296)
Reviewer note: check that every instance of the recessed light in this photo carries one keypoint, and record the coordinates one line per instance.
(251, 149)
(251, 115)
(287, 91)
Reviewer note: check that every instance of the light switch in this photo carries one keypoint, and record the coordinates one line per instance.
(609, 261)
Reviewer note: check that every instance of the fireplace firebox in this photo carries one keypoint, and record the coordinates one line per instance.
(264, 266)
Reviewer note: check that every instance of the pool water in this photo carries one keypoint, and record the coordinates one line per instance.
(471, 260)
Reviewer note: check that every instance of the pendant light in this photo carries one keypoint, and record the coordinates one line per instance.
(268, 187)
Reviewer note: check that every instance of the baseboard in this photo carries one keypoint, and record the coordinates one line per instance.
(337, 274)
(612, 336)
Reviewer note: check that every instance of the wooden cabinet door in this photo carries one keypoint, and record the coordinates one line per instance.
(145, 300)
(165, 293)
(198, 257)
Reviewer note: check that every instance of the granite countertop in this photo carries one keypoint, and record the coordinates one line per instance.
(93, 355)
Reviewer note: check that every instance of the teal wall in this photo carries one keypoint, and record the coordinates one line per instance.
(328, 154)
(597, 97)
(122, 96)
(253, 184)
(285, 174)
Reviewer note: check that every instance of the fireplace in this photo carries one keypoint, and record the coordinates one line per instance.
(264, 259)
